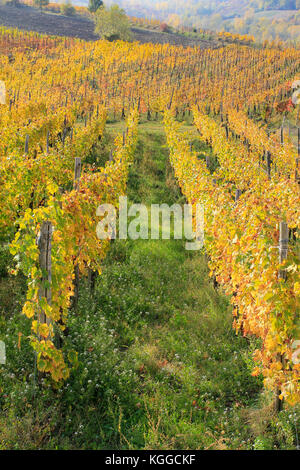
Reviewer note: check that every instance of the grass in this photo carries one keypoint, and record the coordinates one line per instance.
(160, 366)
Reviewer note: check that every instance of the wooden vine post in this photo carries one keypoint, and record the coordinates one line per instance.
(47, 142)
(45, 245)
(282, 134)
(269, 162)
(283, 254)
(26, 149)
(297, 172)
(207, 160)
(77, 174)
(283, 247)
(238, 194)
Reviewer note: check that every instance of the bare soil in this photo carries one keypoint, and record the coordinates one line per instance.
(31, 19)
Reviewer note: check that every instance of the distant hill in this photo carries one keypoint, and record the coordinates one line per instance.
(264, 19)
(31, 19)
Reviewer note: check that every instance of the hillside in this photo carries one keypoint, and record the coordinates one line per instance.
(266, 20)
(30, 19)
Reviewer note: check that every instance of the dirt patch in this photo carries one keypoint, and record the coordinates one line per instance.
(30, 19)
(145, 36)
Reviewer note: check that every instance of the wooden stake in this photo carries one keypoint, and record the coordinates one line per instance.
(283, 246)
(207, 162)
(47, 143)
(269, 162)
(77, 173)
(238, 194)
(92, 276)
(283, 254)
(26, 149)
(297, 172)
(44, 244)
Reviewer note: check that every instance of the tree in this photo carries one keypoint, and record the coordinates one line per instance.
(67, 9)
(112, 24)
(174, 20)
(94, 5)
(41, 3)
(164, 27)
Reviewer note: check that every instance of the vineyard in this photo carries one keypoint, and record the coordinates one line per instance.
(137, 335)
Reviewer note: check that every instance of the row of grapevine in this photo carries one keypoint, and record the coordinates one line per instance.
(69, 216)
(43, 74)
(243, 212)
(281, 150)
(247, 162)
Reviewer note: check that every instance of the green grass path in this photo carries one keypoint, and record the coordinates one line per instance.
(185, 374)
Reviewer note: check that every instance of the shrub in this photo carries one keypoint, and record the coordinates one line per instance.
(112, 24)
(164, 28)
(67, 9)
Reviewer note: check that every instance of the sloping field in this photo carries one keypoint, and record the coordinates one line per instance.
(31, 19)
